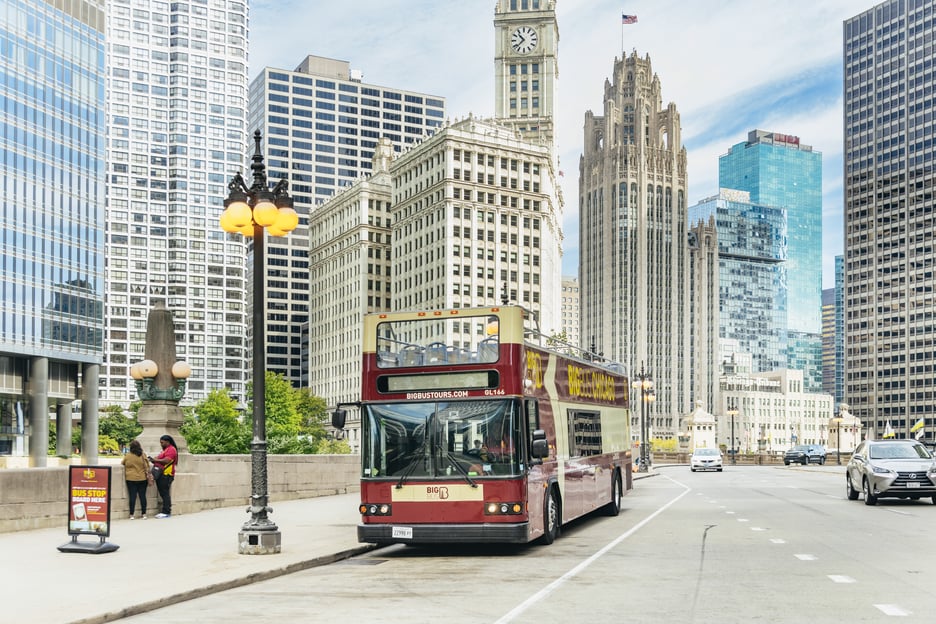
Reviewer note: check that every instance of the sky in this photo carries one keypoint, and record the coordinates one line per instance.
(729, 66)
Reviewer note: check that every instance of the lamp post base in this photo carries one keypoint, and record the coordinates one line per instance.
(259, 542)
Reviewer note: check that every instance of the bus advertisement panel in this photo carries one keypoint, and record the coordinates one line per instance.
(473, 432)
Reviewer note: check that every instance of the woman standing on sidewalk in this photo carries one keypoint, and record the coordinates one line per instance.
(167, 461)
(135, 468)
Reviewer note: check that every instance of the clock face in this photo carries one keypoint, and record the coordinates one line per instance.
(523, 39)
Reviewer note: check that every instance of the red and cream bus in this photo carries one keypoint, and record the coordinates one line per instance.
(472, 433)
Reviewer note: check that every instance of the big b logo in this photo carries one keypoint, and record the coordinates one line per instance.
(534, 368)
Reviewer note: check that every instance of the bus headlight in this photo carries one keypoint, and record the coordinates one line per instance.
(503, 509)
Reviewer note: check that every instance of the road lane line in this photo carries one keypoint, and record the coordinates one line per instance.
(890, 609)
(777, 540)
(511, 615)
(840, 578)
(806, 557)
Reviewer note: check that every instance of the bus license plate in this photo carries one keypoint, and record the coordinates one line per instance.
(402, 532)
(913, 484)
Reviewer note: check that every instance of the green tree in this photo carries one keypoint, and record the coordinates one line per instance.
(115, 425)
(213, 426)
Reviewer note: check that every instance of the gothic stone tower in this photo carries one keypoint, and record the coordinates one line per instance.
(634, 256)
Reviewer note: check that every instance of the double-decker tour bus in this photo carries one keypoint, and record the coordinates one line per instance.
(471, 432)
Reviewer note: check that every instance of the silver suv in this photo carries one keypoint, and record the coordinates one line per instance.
(891, 469)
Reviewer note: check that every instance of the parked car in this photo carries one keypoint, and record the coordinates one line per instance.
(891, 469)
(805, 454)
(706, 459)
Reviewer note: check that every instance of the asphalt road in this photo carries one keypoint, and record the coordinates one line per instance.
(751, 544)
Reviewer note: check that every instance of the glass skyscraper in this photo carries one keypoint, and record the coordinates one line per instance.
(778, 170)
(52, 219)
(752, 275)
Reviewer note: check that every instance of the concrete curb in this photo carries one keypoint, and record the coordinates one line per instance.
(214, 588)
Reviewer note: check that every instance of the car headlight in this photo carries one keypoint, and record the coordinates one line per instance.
(931, 472)
(882, 470)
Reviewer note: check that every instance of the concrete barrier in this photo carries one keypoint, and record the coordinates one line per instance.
(37, 498)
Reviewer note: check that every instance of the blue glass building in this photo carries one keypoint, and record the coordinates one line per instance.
(52, 220)
(778, 170)
(752, 274)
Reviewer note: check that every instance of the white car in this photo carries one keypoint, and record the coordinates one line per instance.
(706, 459)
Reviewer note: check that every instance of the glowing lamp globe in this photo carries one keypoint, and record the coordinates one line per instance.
(135, 372)
(239, 214)
(265, 213)
(275, 231)
(287, 220)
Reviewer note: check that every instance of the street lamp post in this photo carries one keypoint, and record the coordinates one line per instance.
(732, 413)
(250, 211)
(645, 384)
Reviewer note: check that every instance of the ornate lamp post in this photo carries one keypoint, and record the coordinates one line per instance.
(250, 211)
(732, 413)
(645, 384)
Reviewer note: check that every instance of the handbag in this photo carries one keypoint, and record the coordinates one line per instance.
(153, 474)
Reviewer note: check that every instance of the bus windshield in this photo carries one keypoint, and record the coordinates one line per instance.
(442, 439)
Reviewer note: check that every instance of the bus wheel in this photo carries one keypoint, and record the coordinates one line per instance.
(614, 507)
(551, 517)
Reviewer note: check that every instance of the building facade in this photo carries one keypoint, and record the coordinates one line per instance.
(322, 125)
(350, 267)
(633, 251)
(779, 170)
(176, 127)
(890, 219)
(833, 336)
(570, 310)
(705, 276)
(475, 223)
(51, 223)
(771, 411)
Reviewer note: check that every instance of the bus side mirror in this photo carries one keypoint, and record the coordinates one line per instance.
(338, 418)
(540, 448)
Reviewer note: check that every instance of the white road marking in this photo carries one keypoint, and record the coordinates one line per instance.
(840, 578)
(729, 512)
(511, 615)
(757, 529)
(742, 520)
(778, 540)
(806, 557)
(889, 609)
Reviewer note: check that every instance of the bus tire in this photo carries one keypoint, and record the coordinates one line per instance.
(614, 507)
(552, 517)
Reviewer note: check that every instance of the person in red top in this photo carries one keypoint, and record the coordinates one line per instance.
(167, 461)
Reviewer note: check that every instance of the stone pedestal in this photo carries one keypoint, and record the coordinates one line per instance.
(252, 542)
(158, 418)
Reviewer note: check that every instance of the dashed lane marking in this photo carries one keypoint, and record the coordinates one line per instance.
(890, 609)
(806, 557)
(841, 578)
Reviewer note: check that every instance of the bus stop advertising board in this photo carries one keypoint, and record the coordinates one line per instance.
(89, 494)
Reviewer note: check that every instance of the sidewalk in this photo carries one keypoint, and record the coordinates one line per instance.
(161, 562)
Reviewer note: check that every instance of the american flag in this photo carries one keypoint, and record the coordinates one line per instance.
(628, 19)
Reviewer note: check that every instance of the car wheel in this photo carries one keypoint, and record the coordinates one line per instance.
(719, 469)
(786, 462)
(934, 500)
(822, 461)
(870, 499)
(850, 490)
(805, 461)
(551, 517)
(692, 469)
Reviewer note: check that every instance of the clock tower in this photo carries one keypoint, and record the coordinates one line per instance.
(526, 44)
